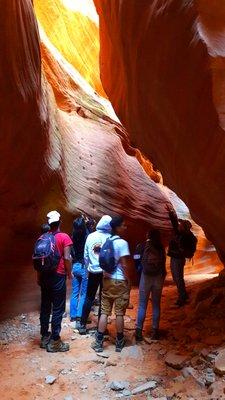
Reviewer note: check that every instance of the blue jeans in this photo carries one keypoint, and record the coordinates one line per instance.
(150, 285)
(177, 269)
(79, 290)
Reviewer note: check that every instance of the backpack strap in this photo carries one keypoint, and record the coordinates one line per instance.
(115, 238)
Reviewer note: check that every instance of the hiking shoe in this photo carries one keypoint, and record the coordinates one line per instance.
(155, 334)
(44, 341)
(120, 344)
(55, 346)
(97, 345)
(82, 330)
(138, 335)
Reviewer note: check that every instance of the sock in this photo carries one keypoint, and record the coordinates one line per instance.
(100, 336)
(120, 336)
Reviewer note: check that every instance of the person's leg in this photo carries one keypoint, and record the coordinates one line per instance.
(83, 291)
(106, 309)
(182, 286)
(45, 314)
(144, 293)
(59, 303)
(100, 295)
(74, 298)
(92, 287)
(157, 287)
(102, 323)
(122, 294)
(177, 269)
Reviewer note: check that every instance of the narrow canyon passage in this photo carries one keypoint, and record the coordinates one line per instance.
(113, 107)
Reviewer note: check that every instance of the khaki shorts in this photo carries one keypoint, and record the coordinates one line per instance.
(115, 292)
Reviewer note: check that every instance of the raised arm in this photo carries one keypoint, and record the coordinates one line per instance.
(173, 217)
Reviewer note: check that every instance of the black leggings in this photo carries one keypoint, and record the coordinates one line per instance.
(94, 281)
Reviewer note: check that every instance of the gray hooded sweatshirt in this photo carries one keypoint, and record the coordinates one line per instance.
(94, 243)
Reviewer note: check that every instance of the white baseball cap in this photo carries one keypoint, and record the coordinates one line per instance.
(53, 216)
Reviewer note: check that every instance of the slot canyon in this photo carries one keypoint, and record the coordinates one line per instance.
(114, 107)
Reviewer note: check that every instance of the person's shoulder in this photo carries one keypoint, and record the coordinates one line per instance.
(121, 242)
(91, 236)
(64, 237)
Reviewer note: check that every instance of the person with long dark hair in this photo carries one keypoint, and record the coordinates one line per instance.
(79, 271)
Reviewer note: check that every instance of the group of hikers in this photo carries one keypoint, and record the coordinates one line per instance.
(97, 259)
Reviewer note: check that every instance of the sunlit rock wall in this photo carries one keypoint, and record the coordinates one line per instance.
(163, 68)
(60, 147)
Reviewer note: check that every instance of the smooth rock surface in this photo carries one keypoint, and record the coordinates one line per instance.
(171, 99)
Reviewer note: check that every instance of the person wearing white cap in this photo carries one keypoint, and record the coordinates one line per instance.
(53, 289)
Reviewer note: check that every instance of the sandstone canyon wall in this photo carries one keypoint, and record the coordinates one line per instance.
(60, 149)
(163, 69)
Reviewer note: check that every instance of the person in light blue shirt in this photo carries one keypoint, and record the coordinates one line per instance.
(116, 288)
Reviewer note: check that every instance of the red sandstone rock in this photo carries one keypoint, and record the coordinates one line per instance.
(163, 68)
(61, 150)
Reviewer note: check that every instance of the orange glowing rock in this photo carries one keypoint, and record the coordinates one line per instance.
(72, 27)
(62, 149)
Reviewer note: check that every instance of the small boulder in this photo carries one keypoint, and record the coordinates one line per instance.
(83, 387)
(119, 385)
(134, 352)
(176, 361)
(99, 374)
(143, 388)
(219, 367)
(188, 371)
(126, 392)
(209, 378)
(50, 379)
(109, 363)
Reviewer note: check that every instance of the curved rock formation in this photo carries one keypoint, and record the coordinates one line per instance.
(60, 148)
(162, 67)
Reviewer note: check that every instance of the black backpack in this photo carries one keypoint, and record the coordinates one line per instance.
(46, 256)
(189, 245)
(153, 260)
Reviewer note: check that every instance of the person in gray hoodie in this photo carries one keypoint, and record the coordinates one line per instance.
(92, 248)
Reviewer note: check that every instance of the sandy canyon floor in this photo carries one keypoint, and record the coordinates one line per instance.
(180, 366)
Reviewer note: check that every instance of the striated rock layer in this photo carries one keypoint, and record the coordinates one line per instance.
(60, 149)
(163, 68)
